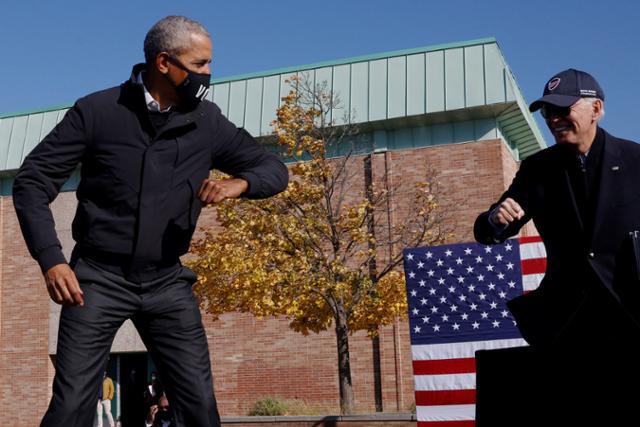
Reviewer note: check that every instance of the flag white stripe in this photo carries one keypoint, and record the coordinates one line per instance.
(531, 281)
(460, 350)
(532, 250)
(446, 412)
(445, 382)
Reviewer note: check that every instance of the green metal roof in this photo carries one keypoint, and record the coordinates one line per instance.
(434, 84)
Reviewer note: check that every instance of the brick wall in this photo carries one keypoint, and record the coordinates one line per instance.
(375, 420)
(252, 358)
(25, 366)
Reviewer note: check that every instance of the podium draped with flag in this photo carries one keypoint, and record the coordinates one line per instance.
(457, 298)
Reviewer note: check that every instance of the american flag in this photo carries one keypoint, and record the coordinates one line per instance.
(457, 298)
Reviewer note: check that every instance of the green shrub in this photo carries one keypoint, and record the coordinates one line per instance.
(270, 406)
(277, 406)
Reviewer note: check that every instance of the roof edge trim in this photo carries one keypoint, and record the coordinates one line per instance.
(295, 68)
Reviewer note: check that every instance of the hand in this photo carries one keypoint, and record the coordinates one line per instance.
(215, 191)
(63, 286)
(507, 212)
(151, 417)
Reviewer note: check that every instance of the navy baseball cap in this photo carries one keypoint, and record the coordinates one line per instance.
(566, 88)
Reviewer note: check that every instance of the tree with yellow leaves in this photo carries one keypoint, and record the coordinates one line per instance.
(323, 252)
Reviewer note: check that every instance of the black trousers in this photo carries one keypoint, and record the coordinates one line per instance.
(527, 387)
(166, 315)
(588, 377)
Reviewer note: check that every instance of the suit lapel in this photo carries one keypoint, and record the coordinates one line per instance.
(565, 192)
(572, 198)
(611, 178)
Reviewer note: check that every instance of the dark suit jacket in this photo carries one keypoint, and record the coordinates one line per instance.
(586, 269)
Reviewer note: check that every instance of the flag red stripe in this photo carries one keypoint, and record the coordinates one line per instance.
(468, 423)
(444, 366)
(445, 397)
(534, 266)
(530, 239)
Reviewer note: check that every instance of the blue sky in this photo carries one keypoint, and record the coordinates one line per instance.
(56, 51)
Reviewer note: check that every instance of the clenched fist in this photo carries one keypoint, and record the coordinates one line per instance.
(507, 212)
(217, 190)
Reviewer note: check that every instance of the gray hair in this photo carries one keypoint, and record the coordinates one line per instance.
(592, 101)
(172, 35)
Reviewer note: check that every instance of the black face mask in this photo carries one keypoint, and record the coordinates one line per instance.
(193, 88)
(164, 415)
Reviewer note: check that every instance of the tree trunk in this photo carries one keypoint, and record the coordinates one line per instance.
(344, 363)
(377, 372)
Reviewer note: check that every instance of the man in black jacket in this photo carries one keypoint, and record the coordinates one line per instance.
(160, 415)
(583, 197)
(145, 149)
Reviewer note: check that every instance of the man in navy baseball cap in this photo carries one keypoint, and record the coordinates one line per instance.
(582, 195)
(572, 104)
(566, 88)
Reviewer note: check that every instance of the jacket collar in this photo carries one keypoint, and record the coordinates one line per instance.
(135, 71)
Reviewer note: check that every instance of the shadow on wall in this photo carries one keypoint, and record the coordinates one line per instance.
(330, 421)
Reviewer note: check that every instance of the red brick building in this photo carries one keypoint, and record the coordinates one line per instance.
(455, 108)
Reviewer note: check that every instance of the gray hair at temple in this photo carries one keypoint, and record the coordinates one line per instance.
(592, 101)
(172, 35)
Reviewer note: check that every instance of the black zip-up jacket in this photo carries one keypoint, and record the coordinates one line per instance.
(137, 197)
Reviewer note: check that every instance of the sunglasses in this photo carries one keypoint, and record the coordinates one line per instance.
(547, 111)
